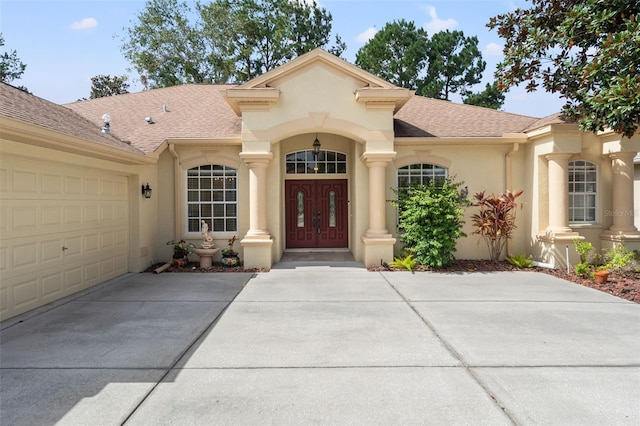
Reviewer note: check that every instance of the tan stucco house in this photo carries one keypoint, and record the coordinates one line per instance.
(242, 159)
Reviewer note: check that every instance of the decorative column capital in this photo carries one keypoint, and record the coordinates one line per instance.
(377, 159)
(257, 159)
(623, 155)
(559, 156)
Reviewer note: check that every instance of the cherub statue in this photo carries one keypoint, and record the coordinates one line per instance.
(207, 235)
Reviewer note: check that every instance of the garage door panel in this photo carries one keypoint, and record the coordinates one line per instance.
(52, 286)
(64, 229)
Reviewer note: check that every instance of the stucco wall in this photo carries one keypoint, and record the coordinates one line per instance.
(481, 167)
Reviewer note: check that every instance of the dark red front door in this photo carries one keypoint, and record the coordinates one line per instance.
(316, 213)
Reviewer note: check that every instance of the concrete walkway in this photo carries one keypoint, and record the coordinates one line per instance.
(327, 345)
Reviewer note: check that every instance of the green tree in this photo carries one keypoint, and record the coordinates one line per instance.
(431, 220)
(397, 53)
(105, 85)
(588, 51)
(454, 65)
(490, 97)
(11, 67)
(259, 35)
(167, 49)
(222, 40)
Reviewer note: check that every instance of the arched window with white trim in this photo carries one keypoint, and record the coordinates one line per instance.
(420, 174)
(583, 192)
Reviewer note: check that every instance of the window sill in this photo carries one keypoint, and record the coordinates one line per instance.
(585, 226)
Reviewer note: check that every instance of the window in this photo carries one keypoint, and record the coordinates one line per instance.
(420, 174)
(212, 196)
(583, 178)
(303, 162)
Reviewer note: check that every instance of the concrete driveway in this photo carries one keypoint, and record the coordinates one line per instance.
(327, 345)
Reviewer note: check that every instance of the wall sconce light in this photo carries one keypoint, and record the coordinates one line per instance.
(316, 152)
(146, 190)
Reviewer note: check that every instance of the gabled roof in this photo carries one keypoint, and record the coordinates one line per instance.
(557, 118)
(189, 111)
(317, 55)
(21, 106)
(427, 117)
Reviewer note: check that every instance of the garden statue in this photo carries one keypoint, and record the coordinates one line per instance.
(207, 251)
(207, 235)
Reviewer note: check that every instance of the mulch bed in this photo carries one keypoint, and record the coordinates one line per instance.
(624, 285)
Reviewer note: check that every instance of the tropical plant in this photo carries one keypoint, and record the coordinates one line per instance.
(521, 261)
(495, 222)
(181, 249)
(407, 262)
(583, 248)
(430, 217)
(230, 243)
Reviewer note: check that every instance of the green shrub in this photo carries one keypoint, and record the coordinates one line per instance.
(520, 261)
(430, 217)
(583, 270)
(583, 248)
(407, 262)
(619, 257)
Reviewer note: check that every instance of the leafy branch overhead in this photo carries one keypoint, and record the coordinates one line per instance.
(588, 51)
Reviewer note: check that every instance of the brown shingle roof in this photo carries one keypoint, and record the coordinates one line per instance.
(193, 111)
(427, 117)
(557, 118)
(20, 105)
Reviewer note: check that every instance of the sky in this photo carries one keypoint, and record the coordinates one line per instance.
(65, 43)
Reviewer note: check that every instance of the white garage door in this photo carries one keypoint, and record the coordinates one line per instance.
(62, 229)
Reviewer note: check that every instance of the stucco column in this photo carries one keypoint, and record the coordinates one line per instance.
(378, 242)
(377, 164)
(258, 164)
(622, 192)
(558, 194)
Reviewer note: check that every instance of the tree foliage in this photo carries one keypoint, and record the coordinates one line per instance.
(454, 65)
(496, 220)
(449, 62)
(223, 40)
(105, 85)
(397, 53)
(11, 67)
(588, 51)
(490, 97)
(431, 219)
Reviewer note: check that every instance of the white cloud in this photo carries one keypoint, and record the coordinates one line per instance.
(366, 35)
(84, 24)
(492, 49)
(436, 24)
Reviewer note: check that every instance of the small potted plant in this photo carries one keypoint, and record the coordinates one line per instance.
(602, 273)
(229, 255)
(181, 251)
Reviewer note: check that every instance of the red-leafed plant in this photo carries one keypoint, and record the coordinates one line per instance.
(495, 222)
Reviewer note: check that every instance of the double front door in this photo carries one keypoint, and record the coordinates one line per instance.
(316, 213)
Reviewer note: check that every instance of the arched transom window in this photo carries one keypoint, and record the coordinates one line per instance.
(583, 188)
(420, 174)
(327, 162)
(212, 196)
